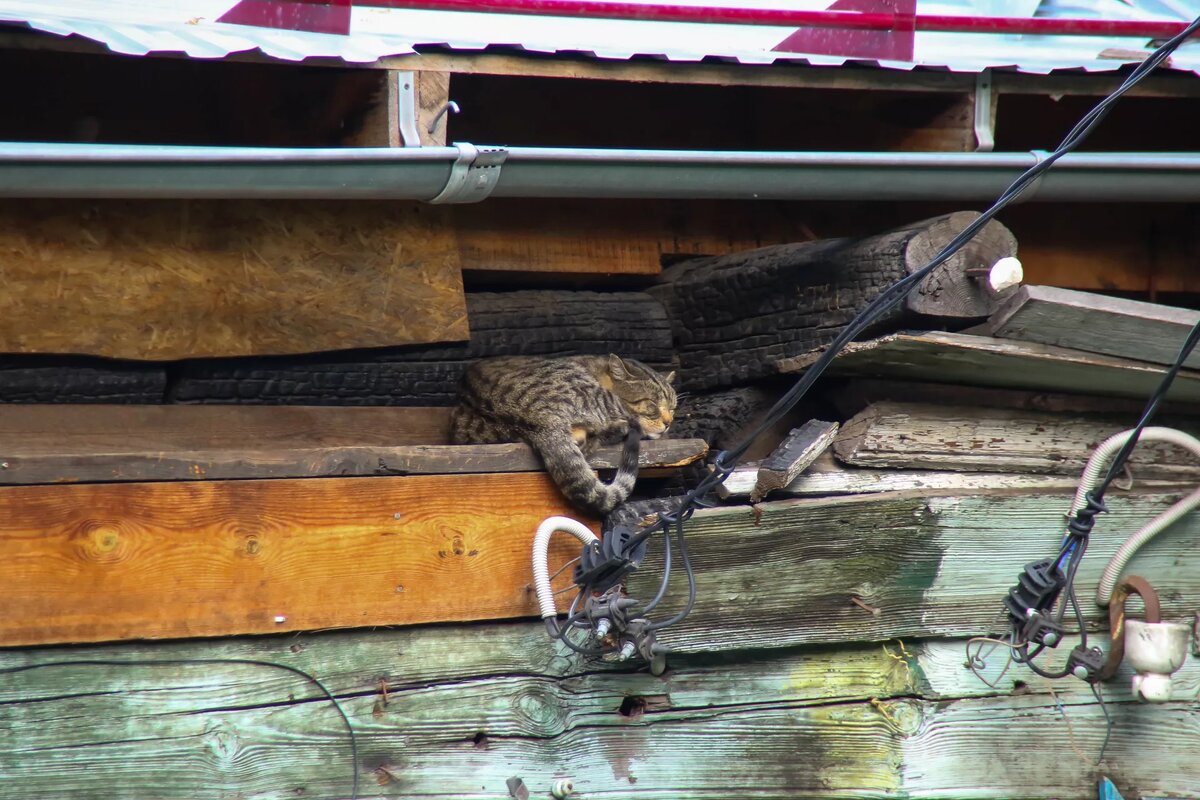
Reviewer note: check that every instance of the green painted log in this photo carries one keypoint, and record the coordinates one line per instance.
(464, 712)
(785, 573)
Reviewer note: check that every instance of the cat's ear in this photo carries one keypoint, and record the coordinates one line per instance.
(617, 368)
(670, 376)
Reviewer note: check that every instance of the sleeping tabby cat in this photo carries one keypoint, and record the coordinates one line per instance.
(564, 407)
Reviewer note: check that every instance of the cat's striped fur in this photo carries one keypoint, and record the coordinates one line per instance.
(564, 408)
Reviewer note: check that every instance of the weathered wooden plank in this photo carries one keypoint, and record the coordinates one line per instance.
(95, 562)
(789, 572)
(795, 453)
(655, 458)
(985, 361)
(940, 437)
(853, 395)
(1095, 323)
(827, 477)
(168, 280)
(617, 239)
(45, 444)
(852, 716)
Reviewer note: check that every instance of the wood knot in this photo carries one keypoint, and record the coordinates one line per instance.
(101, 542)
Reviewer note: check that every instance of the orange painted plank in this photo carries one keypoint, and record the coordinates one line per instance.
(103, 562)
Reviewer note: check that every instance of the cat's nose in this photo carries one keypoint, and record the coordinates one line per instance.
(667, 417)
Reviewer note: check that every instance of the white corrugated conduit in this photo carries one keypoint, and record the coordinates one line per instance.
(541, 548)
(1091, 476)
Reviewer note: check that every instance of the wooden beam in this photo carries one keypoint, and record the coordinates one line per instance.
(169, 280)
(1096, 324)
(47, 444)
(380, 125)
(1147, 248)
(433, 94)
(984, 361)
(149, 561)
(428, 91)
(946, 437)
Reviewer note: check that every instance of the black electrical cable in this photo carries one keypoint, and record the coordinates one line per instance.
(727, 459)
(1108, 721)
(1118, 462)
(691, 577)
(666, 578)
(1080, 528)
(188, 662)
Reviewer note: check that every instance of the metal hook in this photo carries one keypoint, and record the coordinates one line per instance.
(451, 106)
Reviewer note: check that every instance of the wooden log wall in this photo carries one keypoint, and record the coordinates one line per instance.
(782, 686)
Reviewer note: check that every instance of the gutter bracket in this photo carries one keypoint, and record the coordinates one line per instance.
(985, 113)
(1029, 191)
(473, 175)
(406, 108)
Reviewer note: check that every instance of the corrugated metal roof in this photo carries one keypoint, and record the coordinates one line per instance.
(191, 27)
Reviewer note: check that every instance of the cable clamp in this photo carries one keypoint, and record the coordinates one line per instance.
(473, 175)
(1080, 526)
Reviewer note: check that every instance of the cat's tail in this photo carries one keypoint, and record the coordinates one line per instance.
(569, 468)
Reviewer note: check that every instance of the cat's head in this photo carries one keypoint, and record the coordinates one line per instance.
(647, 394)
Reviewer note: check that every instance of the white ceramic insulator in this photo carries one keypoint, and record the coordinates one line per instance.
(541, 548)
(1152, 687)
(1097, 464)
(562, 789)
(1006, 273)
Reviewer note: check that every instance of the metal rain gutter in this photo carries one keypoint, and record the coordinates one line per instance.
(460, 174)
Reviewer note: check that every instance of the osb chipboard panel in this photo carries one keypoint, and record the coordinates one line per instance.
(178, 279)
(105, 562)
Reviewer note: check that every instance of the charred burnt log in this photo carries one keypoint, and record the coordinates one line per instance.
(541, 323)
(734, 316)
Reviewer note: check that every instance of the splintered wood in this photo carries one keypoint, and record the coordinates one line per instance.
(101, 562)
(799, 448)
(180, 279)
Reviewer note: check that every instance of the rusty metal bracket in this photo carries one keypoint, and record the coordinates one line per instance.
(1131, 584)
